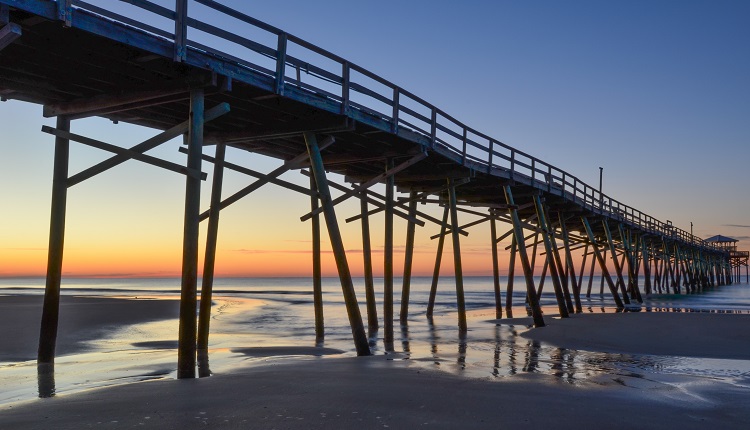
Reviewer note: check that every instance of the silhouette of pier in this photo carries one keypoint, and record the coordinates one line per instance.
(321, 114)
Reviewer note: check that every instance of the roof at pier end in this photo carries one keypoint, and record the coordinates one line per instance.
(721, 239)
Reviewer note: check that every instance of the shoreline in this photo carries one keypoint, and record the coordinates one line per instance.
(434, 380)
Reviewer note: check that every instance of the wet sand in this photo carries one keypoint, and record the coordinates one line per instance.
(82, 319)
(385, 391)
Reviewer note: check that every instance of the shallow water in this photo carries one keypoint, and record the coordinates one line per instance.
(252, 314)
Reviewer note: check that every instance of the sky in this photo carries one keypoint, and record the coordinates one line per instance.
(655, 92)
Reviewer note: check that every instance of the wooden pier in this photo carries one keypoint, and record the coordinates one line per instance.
(80, 60)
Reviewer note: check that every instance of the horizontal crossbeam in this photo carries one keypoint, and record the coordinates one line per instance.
(103, 104)
(8, 34)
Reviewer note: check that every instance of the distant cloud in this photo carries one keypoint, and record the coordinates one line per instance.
(736, 225)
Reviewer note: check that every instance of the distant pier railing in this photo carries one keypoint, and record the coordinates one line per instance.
(276, 61)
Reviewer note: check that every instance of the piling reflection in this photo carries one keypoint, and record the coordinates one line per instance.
(46, 379)
(500, 350)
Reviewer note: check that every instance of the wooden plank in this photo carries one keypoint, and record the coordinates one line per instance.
(8, 34)
(124, 100)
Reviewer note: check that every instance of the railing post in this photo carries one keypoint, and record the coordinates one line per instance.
(433, 127)
(396, 105)
(65, 11)
(549, 178)
(180, 30)
(533, 169)
(512, 163)
(280, 64)
(489, 161)
(345, 88)
(463, 150)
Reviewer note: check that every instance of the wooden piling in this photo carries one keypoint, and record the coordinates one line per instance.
(408, 258)
(209, 260)
(495, 269)
(546, 238)
(51, 306)
(511, 273)
(569, 262)
(438, 259)
(602, 263)
(618, 268)
(460, 303)
(372, 310)
(337, 244)
(388, 257)
(536, 311)
(186, 343)
(316, 263)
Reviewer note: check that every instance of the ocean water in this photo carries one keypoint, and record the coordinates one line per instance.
(257, 320)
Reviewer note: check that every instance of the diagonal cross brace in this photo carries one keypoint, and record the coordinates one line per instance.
(144, 146)
(125, 152)
(402, 204)
(294, 163)
(467, 225)
(364, 186)
(370, 200)
(250, 172)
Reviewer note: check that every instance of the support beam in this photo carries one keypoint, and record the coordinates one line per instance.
(511, 274)
(372, 310)
(316, 264)
(288, 165)
(51, 306)
(536, 311)
(570, 267)
(186, 344)
(365, 185)
(602, 263)
(495, 268)
(8, 34)
(388, 258)
(146, 145)
(460, 303)
(618, 267)
(547, 238)
(209, 260)
(158, 162)
(408, 260)
(125, 100)
(254, 173)
(339, 253)
(438, 260)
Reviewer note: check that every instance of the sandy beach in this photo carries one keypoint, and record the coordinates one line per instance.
(320, 388)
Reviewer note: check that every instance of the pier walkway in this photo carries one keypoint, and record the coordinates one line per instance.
(291, 100)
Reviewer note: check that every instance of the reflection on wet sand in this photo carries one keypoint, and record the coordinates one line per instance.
(493, 349)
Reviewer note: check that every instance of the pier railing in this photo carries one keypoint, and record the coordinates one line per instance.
(286, 59)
